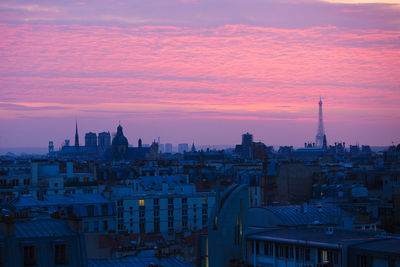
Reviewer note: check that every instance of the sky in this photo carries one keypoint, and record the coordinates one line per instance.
(202, 71)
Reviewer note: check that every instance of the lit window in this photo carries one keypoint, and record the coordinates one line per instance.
(141, 202)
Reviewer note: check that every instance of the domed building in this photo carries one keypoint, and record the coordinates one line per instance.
(119, 145)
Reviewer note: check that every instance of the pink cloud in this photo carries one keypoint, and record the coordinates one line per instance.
(232, 72)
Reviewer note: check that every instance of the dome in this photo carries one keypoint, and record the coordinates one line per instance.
(119, 138)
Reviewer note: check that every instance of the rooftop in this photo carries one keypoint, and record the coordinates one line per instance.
(386, 246)
(41, 228)
(294, 215)
(143, 259)
(317, 237)
(27, 201)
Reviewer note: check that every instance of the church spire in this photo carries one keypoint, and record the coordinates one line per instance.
(76, 135)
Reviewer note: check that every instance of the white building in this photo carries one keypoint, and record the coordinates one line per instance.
(165, 204)
(40, 178)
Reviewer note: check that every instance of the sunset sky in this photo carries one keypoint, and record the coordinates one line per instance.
(200, 70)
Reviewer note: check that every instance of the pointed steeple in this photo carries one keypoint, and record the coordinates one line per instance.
(76, 135)
(325, 144)
(193, 147)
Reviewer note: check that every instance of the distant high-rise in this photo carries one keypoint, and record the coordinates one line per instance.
(161, 147)
(168, 148)
(76, 135)
(319, 139)
(247, 141)
(91, 140)
(183, 147)
(104, 141)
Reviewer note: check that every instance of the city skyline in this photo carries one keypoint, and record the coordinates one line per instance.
(200, 71)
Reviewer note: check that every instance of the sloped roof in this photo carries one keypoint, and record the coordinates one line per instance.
(144, 259)
(42, 228)
(386, 246)
(293, 215)
(26, 201)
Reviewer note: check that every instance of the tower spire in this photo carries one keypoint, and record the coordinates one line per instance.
(76, 135)
(319, 139)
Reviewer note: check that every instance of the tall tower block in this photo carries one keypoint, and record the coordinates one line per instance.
(319, 139)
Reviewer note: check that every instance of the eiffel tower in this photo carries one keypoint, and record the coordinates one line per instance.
(319, 139)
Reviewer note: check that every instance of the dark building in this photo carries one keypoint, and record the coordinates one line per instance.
(76, 135)
(119, 145)
(91, 140)
(121, 151)
(245, 149)
(104, 141)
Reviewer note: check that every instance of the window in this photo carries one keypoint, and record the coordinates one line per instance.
(141, 211)
(104, 209)
(85, 227)
(170, 212)
(184, 200)
(96, 226)
(282, 251)
(268, 249)
(170, 201)
(120, 203)
(60, 255)
(291, 252)
(362, 261)
(204, 220)
(307, 254)
(185, 223)
(184, 212)
(156, 211)
(157, 225)
(29, 256)
(141, 202)
(105, 226)
(155, 202)
(142, 227)
(90, 210)
(257, 247)
(70, 210)
(322, 256)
